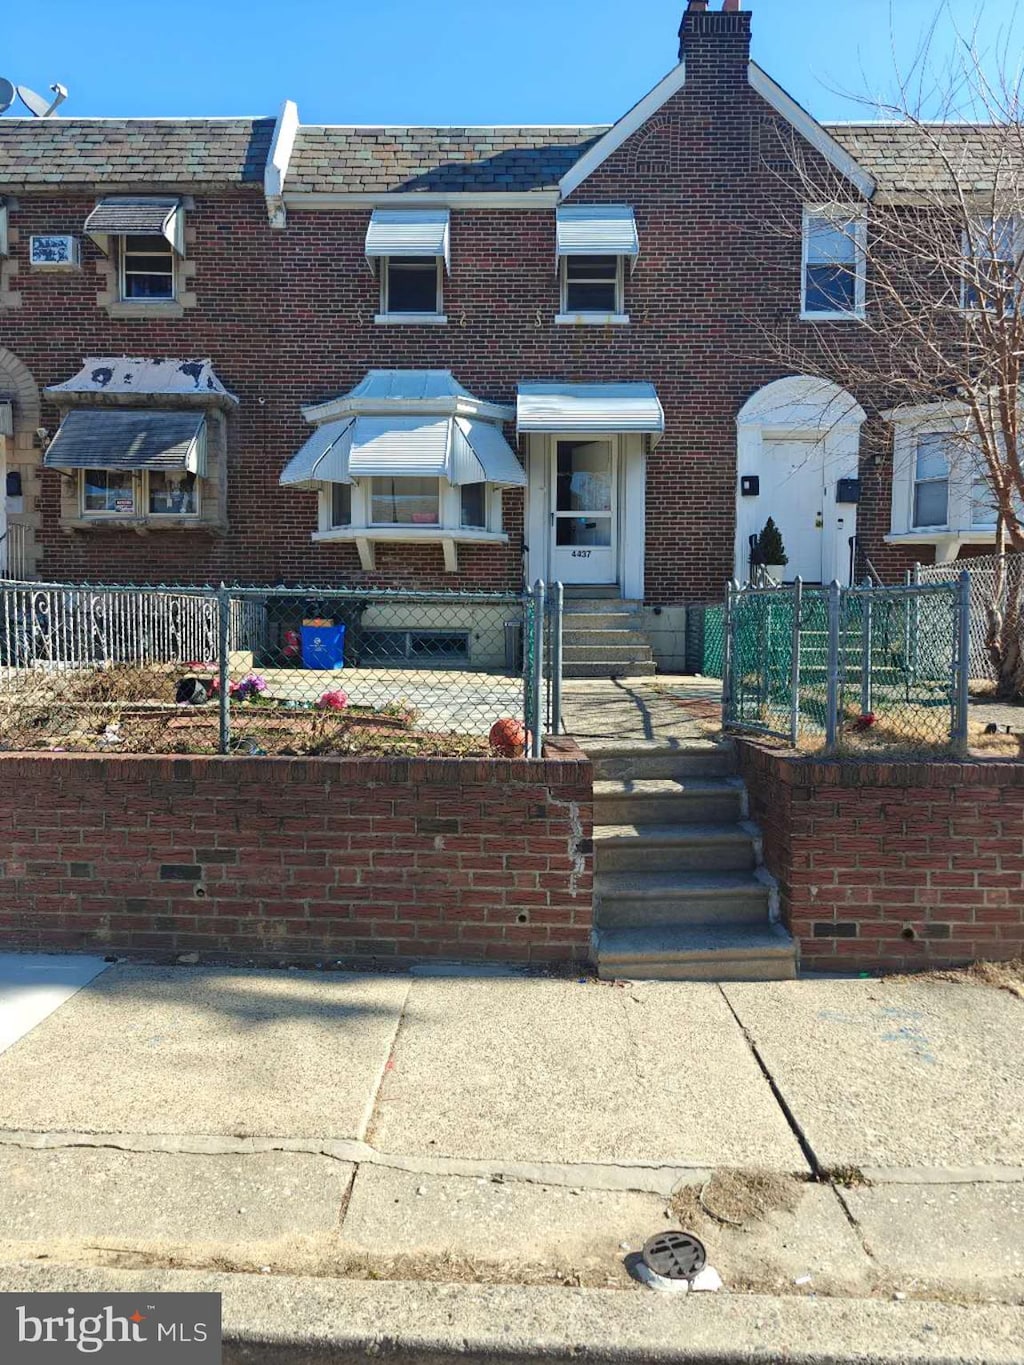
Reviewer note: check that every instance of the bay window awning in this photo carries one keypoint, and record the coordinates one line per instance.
(582, 409)
(123, 216)
(453, 448)
(597, 230)
(409, 232)
(129, 438)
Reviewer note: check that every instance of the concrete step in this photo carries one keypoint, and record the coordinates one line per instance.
(696, 953)
(643, 669)
(669, 800)
(624, 653)
(601, 606)
(600, 620)
(657, 758)
(594, 637)
(648, 900)
(576, 592)
(683, 848)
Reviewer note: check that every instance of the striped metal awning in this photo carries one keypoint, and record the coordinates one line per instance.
(580, 409)
(597, 230)
(124, 216)
(453, 448)
(409, 232)
(129, 438)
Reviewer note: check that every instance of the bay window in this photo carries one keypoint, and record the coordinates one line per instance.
(404, 501)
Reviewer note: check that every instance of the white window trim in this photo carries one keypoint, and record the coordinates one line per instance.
(858, 213)
(908, 425)
(122, 294)
(1018, 252)
(140, 496)
(4, 251)
(594, 319)
(436, 318)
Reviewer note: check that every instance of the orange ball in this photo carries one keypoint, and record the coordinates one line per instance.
(508, 737)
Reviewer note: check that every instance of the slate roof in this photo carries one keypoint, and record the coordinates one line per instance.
(907, 159)
(83, 151)
(354, 160)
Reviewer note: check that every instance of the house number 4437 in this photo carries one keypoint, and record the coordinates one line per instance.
(581, 554)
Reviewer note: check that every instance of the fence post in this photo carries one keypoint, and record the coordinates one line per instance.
(832, 696)
(537, 698)
(866, 700)
(223, 669)
(962, 681)
(794, 677)
(557, 614)
(728, 652)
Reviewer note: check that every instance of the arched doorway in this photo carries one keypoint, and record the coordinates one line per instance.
(19, 464)
(798, 446)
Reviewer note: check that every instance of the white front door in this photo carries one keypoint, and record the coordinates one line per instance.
(795, 499)
(4, 542)
(583, 484)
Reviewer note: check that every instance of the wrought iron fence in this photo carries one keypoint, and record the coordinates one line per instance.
(275, 670)
(863, 667)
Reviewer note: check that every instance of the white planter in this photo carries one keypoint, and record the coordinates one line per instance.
(775, 572)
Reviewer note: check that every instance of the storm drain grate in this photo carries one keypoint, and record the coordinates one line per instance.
(675, 1255)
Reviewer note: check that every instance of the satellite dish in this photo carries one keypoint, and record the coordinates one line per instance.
(37, 105)
(7, 93)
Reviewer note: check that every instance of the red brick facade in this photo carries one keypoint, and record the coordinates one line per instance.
(289, 860)
(287, 317)
(892, 866)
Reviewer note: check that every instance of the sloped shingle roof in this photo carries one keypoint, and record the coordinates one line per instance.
(59, 151)
(354, 160)
(905, 158)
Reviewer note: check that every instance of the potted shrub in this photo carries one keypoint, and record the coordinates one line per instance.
(771, 552)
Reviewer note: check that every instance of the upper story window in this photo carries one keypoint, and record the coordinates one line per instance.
(992, 259)
(834, 266)
(413, 249)
(411, 285)
(592, 284)
(146, 268)
(931, 480)
(593, 243)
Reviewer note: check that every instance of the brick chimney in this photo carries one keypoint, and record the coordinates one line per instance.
(715, 44)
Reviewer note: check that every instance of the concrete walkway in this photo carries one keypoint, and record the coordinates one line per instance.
(857, 1141)
(663, 707)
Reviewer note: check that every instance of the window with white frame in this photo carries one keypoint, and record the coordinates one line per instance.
(130, 493)
(473, 506)
(992, 265)
(411, 285)
(592, 284)
(340, 505)
(147, 268)
(834, 263)
(932, 469)
(405, 501)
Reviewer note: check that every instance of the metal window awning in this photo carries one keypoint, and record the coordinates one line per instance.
(597, 230)
(409, 232)
(460, 450)
(580, 409)
(129, 438)
(124, 216)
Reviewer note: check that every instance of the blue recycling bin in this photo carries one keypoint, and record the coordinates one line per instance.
(323, 647)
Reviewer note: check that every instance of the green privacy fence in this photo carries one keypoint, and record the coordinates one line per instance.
(832, 662)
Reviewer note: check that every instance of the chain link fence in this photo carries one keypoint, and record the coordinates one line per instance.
(275, 670)
(862, 668)
(997, 584)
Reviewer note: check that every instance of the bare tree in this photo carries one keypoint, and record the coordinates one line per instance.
(939, 256)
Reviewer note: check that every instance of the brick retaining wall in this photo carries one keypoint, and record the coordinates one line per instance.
(297, 859)
(892, 865)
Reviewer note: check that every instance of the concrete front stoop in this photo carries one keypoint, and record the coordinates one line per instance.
(679, 890)
(602, 636)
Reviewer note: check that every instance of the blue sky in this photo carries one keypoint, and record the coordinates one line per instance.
(453, 61)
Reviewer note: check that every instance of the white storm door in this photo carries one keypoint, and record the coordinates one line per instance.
(796, 501)
(584, 481)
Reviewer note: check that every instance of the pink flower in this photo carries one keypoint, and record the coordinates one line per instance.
(333, 701)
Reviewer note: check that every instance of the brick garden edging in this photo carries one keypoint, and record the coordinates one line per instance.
(892, 866)
(298, 859)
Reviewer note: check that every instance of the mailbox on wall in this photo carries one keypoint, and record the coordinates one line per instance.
(848, 490)
(750, 486)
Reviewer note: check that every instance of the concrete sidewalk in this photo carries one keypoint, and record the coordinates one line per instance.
(521, 1134)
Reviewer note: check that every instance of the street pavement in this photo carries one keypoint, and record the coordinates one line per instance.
(507, 1132)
